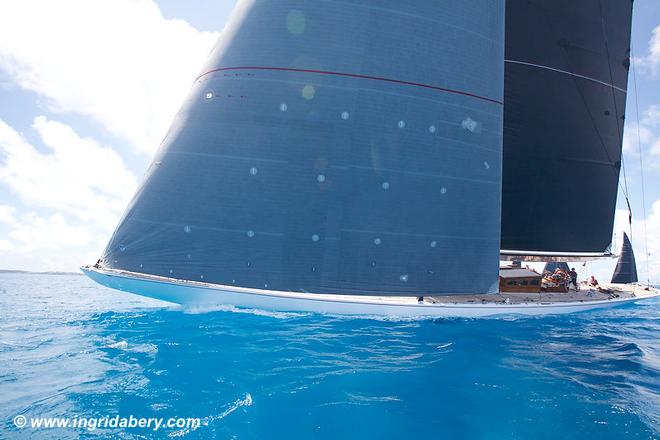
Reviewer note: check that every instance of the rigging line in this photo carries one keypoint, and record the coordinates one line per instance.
(616, 114)
(641, 166)
(595, 126)
(600, 138)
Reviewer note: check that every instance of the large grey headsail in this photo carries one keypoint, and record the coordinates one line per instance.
(349, 147)
(565, 93)
(626, 269)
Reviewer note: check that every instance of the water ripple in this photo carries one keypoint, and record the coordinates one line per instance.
(69, 347)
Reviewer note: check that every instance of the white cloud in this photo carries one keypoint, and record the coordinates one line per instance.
(117, 61)
(650, 63)
(72, 195)
(653, 234)
(7, 214)
(36, 233)
(50, 243)
(651, 116)
(5, 245)
(648, 136)
(75, 175)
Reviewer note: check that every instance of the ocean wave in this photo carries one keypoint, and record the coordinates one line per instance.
(147, 348)
(201, 309)
(206, 421)
(326, 376)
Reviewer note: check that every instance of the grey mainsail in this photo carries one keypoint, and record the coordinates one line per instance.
(626, 269)
(349, 147)
(565, 93)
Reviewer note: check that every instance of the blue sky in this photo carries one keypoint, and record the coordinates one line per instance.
(88, 88)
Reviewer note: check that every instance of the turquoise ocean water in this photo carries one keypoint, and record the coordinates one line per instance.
(70, 348)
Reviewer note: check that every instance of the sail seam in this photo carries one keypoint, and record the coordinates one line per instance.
(355, 75)
(566, 72)
(419, 173)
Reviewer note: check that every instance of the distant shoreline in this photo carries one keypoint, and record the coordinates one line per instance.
(30, 272)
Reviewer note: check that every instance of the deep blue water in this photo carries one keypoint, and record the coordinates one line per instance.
(71, 348)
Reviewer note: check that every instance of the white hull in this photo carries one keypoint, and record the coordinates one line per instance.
(204, 294)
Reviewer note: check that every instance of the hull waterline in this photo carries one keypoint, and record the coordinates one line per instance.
(192, 293)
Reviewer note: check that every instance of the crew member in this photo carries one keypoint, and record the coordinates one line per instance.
(573, 275)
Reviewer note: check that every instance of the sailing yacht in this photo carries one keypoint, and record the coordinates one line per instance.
(382, 157)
